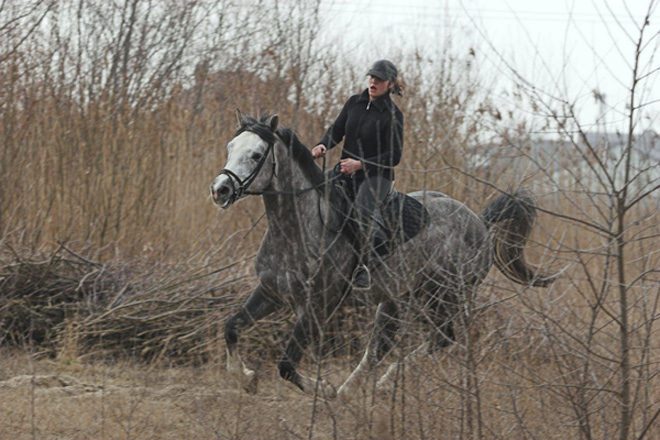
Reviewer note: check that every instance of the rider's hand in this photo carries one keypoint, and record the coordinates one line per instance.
(319, 151)
(350, 166)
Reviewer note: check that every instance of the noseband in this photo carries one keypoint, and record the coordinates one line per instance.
(243, 185)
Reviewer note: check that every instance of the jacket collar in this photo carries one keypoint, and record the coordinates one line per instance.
(381, 103)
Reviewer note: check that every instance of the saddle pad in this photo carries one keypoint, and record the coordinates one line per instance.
(404, 217)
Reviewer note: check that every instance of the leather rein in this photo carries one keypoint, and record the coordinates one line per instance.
(244, 184)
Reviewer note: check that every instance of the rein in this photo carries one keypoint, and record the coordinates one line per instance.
(243, 185)
(296, 192)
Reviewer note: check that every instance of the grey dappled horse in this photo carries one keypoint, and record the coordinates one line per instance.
(306, 261)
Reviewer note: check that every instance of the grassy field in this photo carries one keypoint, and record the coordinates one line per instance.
(137, 401)
(504, 379)
(46, 399)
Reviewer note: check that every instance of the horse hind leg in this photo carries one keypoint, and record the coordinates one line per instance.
(442, 325)
(443, 336)
(381, 342)
(388, 381)
(440, 313)
(258, 306)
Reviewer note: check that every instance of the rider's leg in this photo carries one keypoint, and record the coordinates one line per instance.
(374, 249)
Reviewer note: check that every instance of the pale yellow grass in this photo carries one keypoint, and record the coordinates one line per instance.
(48, 399)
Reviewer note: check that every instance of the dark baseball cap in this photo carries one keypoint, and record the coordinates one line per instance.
(383, 70)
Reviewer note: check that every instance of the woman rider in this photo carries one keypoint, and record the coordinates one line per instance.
(371, 126)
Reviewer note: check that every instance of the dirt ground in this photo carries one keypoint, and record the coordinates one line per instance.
(51, 400)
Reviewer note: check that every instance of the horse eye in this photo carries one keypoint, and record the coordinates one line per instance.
(257, 157)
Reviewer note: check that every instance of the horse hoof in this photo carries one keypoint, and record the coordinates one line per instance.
(344, 395)
(327, 390)
(383, 388)
(252, 383)
(322, 389)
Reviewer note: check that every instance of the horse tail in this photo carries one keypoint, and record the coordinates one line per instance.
(510, 219)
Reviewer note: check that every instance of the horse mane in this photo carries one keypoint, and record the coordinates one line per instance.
(302, 156)
(298, 151)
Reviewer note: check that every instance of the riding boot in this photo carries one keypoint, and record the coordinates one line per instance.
(378, 252)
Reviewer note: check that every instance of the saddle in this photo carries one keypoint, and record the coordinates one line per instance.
(401, 217)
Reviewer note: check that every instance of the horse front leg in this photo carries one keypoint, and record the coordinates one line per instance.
(380, 344)
(303, 332)
(258, 306)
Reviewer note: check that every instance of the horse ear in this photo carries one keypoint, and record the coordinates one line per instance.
(239, 117)
(273, 121)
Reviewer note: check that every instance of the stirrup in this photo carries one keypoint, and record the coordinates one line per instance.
(361, 277)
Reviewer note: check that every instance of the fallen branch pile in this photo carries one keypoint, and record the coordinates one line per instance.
(149, 311)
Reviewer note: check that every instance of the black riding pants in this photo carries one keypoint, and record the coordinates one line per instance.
(370, 196)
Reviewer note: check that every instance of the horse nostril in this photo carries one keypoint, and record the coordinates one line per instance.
(224, 191)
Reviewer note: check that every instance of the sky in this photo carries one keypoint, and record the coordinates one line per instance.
(567, 48)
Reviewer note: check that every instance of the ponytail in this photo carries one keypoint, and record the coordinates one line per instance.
(397, 87)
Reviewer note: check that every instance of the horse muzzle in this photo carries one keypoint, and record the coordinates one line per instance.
(223, 192)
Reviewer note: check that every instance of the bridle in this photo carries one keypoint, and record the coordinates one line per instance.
(244, 184)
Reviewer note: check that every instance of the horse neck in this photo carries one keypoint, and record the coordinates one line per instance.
(292, 211)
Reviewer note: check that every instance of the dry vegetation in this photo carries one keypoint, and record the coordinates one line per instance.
(116, 272)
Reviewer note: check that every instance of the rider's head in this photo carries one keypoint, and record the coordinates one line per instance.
(383, 79)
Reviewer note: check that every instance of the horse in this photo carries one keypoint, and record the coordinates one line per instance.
(306, 258)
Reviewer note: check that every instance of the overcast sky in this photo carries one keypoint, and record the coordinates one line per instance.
(567, 46)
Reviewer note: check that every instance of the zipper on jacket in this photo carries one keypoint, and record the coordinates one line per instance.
(368, 105)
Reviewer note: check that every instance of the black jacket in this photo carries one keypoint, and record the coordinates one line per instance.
(372, 132)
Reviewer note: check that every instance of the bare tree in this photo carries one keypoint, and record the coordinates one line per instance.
(599, 331)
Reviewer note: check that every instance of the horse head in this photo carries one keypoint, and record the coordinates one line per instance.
(250, 162)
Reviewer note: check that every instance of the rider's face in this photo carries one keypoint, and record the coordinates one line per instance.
(378, 87)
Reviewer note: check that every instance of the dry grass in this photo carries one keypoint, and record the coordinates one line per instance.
(532, 361)
(519, 372)
(518, 398)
